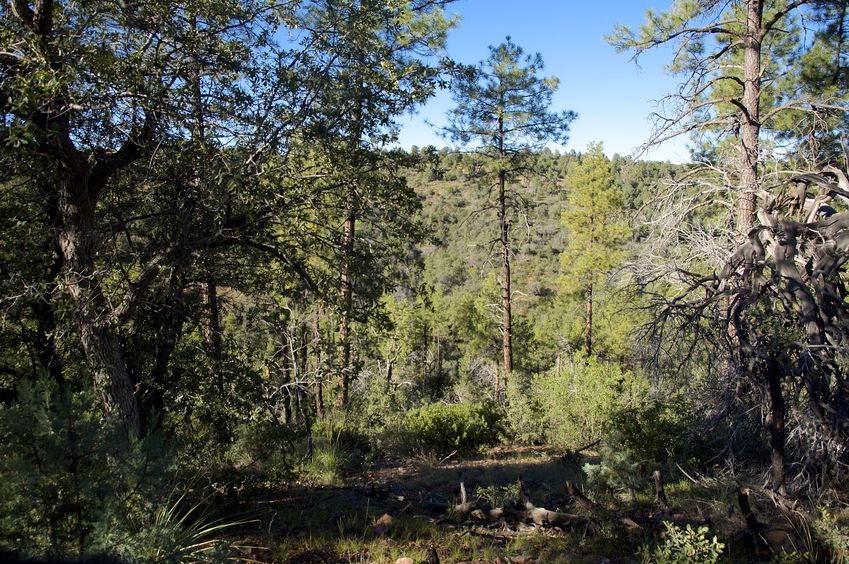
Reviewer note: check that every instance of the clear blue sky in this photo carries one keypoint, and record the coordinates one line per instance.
(613, 97)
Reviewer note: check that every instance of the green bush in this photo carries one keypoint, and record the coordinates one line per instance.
(683, 546)
(833, 534)
(579, 405)
(265, 445)
(375, 414)
(440, 429)
(73, 486)
(617, 467)
(656, 432)
(525, 417)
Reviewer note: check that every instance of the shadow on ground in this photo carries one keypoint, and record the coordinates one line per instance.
(341, 524)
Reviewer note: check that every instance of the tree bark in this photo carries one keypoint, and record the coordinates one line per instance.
(750, 117)
(588, 329)
(776, 420)
(319, 343)
(348, 238)
(506, 297)
(346, 292)
(212, 329)
(100, 340)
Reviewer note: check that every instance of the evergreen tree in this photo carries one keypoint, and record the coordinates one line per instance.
(746, 73)
(503, 112)
(598, 230)
(375, 61)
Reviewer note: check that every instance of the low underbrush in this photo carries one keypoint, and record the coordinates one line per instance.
(389, 511)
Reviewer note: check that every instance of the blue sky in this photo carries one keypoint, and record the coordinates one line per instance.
(613, 97)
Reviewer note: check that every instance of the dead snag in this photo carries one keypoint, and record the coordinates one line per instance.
(524, 498)
(464, 506)
(660, 492)
(746, 508)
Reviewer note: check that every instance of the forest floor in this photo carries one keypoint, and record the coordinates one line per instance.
(393, 509)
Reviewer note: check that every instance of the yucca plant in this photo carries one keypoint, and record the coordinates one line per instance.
(180, 531)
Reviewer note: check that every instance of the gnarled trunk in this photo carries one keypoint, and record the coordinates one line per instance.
(775, 422)
(99, 336)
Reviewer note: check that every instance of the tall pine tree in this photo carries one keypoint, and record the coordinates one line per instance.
(598, 230)
(503, 112)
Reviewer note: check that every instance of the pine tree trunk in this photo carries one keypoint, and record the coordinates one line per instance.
(347, 282)
(319, 400)
(750, 117)
(318, 392)
(344, 361)
(212, 330)
(588, 330)
(506, 297)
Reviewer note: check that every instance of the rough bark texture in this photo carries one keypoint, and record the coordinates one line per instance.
(318, 391)
(750, 116)
(100, 340)
(588, 329)
(506, 297)
(776, 418)
(346, 295)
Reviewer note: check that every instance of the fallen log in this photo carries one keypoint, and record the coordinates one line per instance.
(574, 455)
(599, 512)
(524, 512)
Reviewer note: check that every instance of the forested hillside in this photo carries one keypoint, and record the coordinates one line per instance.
(238, 322)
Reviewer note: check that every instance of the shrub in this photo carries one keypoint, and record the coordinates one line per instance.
(617, 467)
(683, 546)
(374, 416)
(63, 469)
(266, 445)
(525, 418)
(833, 535)
(579, 405)
(441, 429)
(73, 486)
(655, 432)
